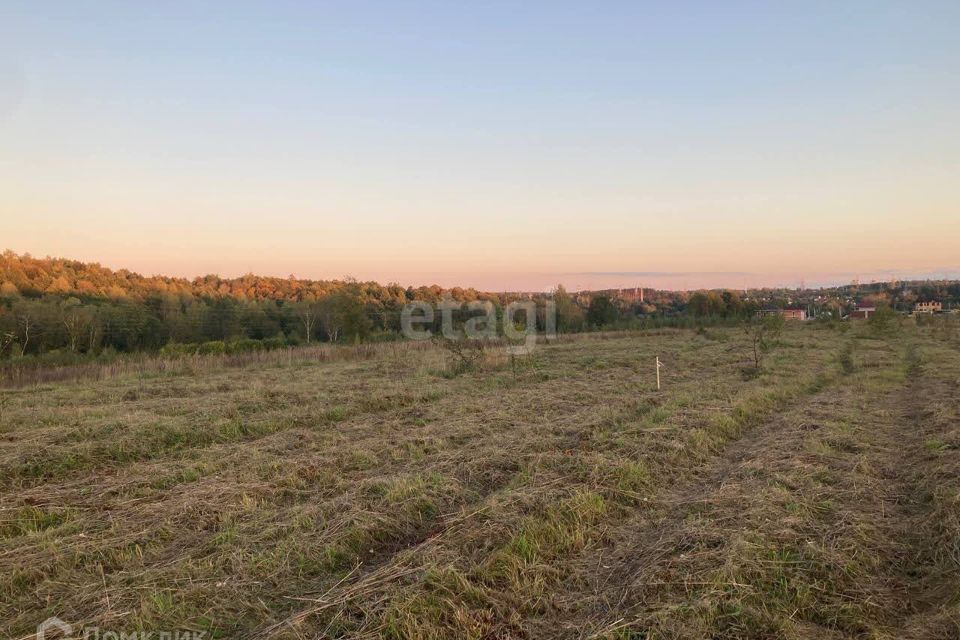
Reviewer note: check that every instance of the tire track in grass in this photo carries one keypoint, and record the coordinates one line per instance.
(816, 525)
(932, 411)
(615, 579)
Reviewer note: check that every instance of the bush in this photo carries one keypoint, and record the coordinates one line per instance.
(384, 336)
(244, 345)
(175, 349)
(293, 339)
(277, 342)
(213, 347)
(465, 354)
(847, 362)
(240, 345)
(884, 320)
(763, 332)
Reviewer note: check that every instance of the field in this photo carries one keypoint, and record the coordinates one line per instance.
(371, 492)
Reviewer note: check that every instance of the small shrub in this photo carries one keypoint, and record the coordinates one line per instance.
(763, 332)
(244, 345)
(277, 342)
(213, 347)
(175, 349)
(464, 354)
(884, 321)
(846, 360)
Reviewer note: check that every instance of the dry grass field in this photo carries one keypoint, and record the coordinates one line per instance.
(559, 496)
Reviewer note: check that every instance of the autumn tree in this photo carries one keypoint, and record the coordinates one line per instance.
(6, 339)
(8, 330)
(569, 313)
(75, 320)
(352, 313)
(602, 311)
(26, 322)
(308, 312)
(329, 315)
(706, 303)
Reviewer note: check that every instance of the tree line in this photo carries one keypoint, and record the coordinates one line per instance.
(66, 307)
(54, 305)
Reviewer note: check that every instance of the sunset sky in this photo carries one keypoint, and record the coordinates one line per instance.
(502, 145)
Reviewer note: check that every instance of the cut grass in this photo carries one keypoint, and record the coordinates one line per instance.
(371, 496)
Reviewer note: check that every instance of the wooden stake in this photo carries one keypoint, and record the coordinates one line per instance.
(658, 373)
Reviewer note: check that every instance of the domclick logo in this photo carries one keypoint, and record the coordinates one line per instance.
(56, 629)
(52, 628)
(518, 322)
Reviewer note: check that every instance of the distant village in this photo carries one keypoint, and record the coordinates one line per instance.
(853, 302)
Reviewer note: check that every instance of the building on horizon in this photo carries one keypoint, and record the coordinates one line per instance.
(863, 311)
(930, 306)
(788, 313)
(794, 313)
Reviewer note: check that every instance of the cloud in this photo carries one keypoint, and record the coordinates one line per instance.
(658, 274)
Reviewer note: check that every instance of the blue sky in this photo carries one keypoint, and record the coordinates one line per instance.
(495, 144)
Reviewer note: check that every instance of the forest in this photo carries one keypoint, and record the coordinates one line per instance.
(62, 307)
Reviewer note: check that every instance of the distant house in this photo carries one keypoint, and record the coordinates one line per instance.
(790, 313)
(794, 313)
(928, 307)
(862, 312)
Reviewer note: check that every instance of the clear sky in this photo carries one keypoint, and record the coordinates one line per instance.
(503, 145)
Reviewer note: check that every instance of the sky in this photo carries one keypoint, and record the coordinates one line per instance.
(501, 145)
